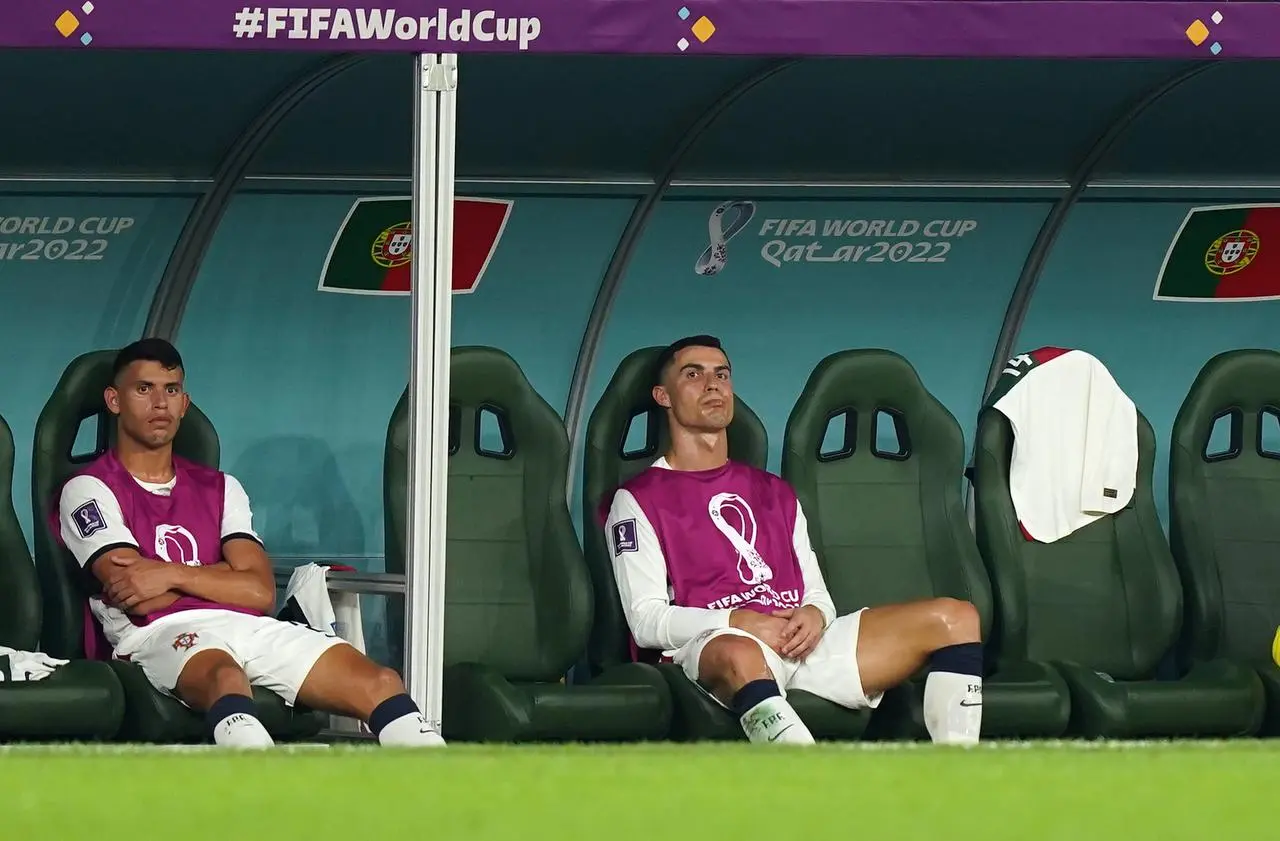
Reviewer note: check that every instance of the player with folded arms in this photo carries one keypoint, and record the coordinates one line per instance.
(180, 583)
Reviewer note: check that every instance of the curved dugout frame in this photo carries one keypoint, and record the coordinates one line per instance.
(173, 291)
(170, 298)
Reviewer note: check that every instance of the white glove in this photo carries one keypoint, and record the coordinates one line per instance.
(18, 666)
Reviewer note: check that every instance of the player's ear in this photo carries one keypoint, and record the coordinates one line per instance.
(186, 404)
(661, 397)
(112, 398)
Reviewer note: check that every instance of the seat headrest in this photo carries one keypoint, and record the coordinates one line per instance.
(1241, 384)
(485, 378)
(1247, 379)
(865, 379)
(488, 376)
(631, 389)
(863, 383)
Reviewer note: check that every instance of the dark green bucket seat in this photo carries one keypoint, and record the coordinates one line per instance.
(1103, 605)
(877, 462)
(518, 599)
(80, 701)
(1224, 498)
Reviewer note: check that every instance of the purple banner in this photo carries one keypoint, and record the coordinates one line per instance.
(1034, 28)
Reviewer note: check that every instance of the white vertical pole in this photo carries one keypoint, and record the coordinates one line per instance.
(435, 123)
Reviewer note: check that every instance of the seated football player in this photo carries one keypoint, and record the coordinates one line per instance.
(715, 570)
(181, 583)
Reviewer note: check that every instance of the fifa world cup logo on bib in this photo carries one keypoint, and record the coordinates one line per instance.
(741, 534)
(176, 545)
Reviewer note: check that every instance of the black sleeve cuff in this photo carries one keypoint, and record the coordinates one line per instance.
(240, 535)
(90, 581)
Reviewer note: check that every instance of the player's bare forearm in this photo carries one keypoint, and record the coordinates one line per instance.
(152, 605)
(222, 584)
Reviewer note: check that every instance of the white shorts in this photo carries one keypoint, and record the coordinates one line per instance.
(830, 671)
(274, 654)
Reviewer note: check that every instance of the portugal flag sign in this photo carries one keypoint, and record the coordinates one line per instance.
(370, 254)
(1229, 253)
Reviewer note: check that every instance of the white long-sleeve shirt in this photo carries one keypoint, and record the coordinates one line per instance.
(1075, 451)
(641, 575)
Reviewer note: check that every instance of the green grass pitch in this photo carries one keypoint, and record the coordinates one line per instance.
(1024, 791)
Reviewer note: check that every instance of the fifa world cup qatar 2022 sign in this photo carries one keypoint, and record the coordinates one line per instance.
(844, 239)
(66, 239)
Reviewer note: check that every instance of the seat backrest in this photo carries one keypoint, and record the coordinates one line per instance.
(877, 463)
(613, 454)
(517, 592)
(1105, 596)
(78, 397)
(19, 586)
(1224, 506)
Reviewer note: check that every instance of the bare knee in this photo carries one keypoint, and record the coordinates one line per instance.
(208, 676)
(729, 662)
(376, 684)
(956, 621)
(345, 682)
(384, 683)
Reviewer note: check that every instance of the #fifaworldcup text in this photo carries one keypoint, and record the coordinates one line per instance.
(315, 24)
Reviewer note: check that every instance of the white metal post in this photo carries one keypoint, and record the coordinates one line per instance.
(434, 134)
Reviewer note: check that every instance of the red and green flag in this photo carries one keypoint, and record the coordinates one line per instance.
(1229, 253)
(370, 255)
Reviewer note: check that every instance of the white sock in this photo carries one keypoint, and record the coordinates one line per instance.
(773, 720)
(410, 730)
(234, 722)
(397, 722)
(241, 730)
(953, 708)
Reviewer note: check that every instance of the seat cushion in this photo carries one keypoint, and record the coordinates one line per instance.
(1216, 699)
(1106, 596)
(627, 703)
(1224, 485)
(518, 600)
(20, 606)
(1019, 699)
(517, 594)
(1270, 675)
(877, 462)
(697, 717)
(151, 716)
(80, 701)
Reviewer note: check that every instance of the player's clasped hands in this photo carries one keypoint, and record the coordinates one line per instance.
(802, 632)
(794, 633)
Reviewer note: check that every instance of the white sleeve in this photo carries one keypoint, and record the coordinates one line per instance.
(237, 516)
(641, 572)
(815, 586)
(91, 521)
(1109, 463)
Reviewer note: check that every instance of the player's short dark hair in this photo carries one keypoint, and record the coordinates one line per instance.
(668, 354)
(146, 350)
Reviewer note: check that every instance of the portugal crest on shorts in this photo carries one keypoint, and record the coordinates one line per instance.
(1232, 251)
(394, 246)
(184, 641)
